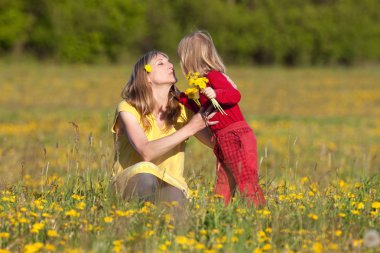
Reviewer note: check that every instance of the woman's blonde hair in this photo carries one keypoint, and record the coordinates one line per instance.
(138, 93)
(197, 53)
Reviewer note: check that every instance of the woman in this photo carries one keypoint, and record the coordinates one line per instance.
(151, 128)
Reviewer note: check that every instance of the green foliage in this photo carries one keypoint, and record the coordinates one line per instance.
(13, 24)
(290, 32)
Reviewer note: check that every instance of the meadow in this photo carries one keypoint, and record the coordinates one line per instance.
(318, 132)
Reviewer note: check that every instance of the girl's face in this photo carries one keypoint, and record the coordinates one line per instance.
(162, 71)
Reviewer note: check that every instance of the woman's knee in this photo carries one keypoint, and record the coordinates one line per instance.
(141, 185)
(147, 180)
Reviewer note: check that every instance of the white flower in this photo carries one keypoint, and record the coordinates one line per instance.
(371, 239)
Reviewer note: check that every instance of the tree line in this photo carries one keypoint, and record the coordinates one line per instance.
(290, 32)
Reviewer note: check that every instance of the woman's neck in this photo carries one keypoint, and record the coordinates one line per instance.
(160, 95)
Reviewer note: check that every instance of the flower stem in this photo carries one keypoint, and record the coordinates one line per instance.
(217, 106)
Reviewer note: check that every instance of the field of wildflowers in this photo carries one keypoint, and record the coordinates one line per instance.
(318, 134)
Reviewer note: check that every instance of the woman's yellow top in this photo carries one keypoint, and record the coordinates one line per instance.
(169, 167)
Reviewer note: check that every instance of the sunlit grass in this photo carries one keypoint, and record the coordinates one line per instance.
(318, 134)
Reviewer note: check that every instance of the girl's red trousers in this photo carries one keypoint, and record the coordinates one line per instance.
(236, 151)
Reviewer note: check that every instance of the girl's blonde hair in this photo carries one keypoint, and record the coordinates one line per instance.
(197, 53)
(138, 93)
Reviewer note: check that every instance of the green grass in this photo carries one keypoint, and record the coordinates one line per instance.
(318, 132)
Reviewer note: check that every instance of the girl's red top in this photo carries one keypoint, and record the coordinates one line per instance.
(227, 96)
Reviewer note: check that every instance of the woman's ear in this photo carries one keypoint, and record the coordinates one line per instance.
(148, 79)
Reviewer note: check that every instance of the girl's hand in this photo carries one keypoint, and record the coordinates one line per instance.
(209, 92)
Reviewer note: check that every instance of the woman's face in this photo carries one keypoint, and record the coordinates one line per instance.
(162, 71)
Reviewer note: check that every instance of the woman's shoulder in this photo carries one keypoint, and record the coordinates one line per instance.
(124, 106)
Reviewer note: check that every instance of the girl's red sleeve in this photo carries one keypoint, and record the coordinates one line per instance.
(225, 91)
(189, 103)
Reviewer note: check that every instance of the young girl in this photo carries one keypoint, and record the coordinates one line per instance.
(235, 142)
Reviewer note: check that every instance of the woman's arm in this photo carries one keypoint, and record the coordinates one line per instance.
(205, 136)
(150, 150)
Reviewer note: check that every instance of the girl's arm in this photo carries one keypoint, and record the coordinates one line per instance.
(150, 150)
(189, 103)
(226, 92)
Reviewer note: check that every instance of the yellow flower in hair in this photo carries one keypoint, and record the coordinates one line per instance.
(148, 68)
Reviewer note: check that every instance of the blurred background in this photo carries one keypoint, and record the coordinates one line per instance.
(287, 32)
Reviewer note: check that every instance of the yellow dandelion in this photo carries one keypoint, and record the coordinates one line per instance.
(46, 215)
(148, 68)
(238, 231)
(257, 250)
(218, 246)
(215, 231)
(355, 212)
(117, 246)
(108, 219)
(52, 233)
(77, 197)
(50, 247)
(234, 239)
(120, 213)
(302, 207)
(304, 180)
(117, 242)
(343, 215)
(163, 247)
(148, 233)
(317, 247)
(199, 246)
(72, 213)
(181, 240)
(81, 205)
(37, 227)
(203, 232)
(376, 205)
(267, 247)
(313, 216)
(360, 205)
(4, 235)
(33, 247)
(357, 243)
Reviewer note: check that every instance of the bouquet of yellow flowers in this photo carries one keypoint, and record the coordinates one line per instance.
(196, 85)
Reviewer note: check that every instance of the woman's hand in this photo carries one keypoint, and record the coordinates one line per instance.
(202, 119)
